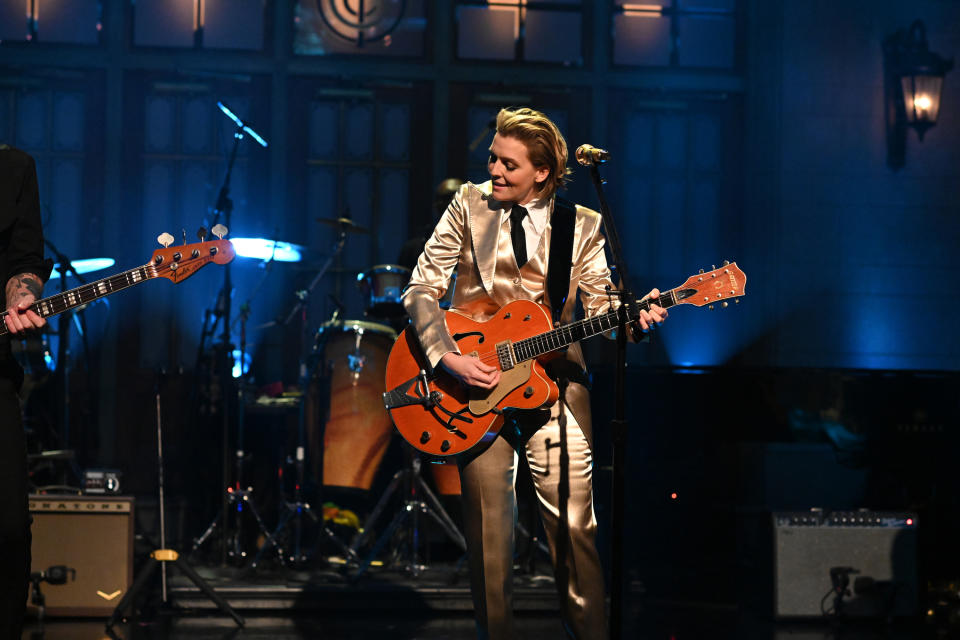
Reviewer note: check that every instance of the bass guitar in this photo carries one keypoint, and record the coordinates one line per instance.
(441, 417)
(175, 263)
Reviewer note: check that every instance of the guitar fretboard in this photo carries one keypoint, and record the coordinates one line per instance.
(87, 293)
(561, 337)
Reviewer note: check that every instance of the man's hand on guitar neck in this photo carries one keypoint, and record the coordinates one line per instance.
(22, 291)
(470, 371)
(649, 320)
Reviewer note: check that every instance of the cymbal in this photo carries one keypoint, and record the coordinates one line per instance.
(84, 266)
(344, 224)
(268, 249)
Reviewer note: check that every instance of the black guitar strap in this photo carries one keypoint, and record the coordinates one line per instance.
(562, 223)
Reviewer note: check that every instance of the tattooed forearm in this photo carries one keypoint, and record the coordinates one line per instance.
(24, 285)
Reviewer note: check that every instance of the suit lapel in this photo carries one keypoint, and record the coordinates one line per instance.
(486, 220)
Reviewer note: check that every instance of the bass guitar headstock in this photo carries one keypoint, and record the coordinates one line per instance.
(177, 263)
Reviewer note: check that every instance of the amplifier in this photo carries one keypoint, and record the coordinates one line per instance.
(868, 553)
(92, 536)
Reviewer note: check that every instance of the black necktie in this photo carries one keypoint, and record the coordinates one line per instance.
(517, 235)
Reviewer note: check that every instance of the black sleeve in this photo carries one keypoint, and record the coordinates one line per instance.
(25, 248)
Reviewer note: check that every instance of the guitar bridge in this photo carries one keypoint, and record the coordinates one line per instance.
(505, 355)
(401, 396)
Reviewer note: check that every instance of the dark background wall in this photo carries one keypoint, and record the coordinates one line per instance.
(746, 130)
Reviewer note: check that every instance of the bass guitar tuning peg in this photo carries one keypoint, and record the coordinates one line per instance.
(726, 263)
(202, 233)
(165, 239)
(219, 230)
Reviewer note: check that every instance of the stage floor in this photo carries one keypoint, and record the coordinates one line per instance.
(389, 603)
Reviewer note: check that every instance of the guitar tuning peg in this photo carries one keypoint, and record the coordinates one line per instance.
(701, 270)
(219, 230)
(184, 233)
(202, 233)
(713, 267)
(724, 305)
(165, 239)
(737, 301)
(726, 263)
(710, 307)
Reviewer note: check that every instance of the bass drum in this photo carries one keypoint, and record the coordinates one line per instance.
(348, 381)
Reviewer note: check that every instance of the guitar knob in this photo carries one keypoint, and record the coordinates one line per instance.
(177, 256)
(195, 254)
(528, 392)
(445, 446)
(165, 239)
(219, 230)
(425, 437)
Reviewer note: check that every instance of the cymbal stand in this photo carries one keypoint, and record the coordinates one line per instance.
(224, 206)
(239, 499)
(294, 511)
(417, 499)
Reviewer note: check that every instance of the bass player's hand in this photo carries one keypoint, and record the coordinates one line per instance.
(470, 371)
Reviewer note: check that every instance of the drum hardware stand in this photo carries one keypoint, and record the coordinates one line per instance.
(239, 500)
(293, 511)
(418, 499)
(163, 555)
(223, 351)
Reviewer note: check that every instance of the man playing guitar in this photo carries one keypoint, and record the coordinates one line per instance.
(497, 236)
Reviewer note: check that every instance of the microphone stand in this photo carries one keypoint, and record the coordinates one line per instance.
(618, 426)
(64, 267)
(224, 206)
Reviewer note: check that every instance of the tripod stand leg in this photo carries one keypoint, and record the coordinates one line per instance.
(128, 597)
(208, 591)
(197, 543)
(440, 514)
(378, 509)
(271, 541)
(404, 513)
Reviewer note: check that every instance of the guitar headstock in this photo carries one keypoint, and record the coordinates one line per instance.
(177, 263)
(713, 287)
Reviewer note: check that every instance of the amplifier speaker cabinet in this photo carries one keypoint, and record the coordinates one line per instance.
(94, 537)
(874, 553)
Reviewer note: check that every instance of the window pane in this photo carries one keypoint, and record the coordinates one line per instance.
(553, 36)
(164, 23)
(74, 21)
(233, 24)
(706, 41)
(641, 39)
(487, 33)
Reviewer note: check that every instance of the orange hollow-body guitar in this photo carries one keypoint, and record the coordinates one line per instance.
(441, 417)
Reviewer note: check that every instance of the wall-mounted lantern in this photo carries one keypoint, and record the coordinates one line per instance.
(912, 84)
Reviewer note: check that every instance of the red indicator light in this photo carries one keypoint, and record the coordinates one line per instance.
(673, 496)
(909, 522)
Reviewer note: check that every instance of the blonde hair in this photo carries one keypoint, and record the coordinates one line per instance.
(545, 144)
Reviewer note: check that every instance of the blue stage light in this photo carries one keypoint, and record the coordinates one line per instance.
(265, 249)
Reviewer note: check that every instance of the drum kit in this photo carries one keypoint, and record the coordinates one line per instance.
(344, 430)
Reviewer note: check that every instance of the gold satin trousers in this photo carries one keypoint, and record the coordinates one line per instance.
(558, 448)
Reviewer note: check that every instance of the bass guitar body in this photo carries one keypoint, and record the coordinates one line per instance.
(441, 417)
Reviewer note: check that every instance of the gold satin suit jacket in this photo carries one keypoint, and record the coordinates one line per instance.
(473, 238)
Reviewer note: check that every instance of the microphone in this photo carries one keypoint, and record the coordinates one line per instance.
(589, 156)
